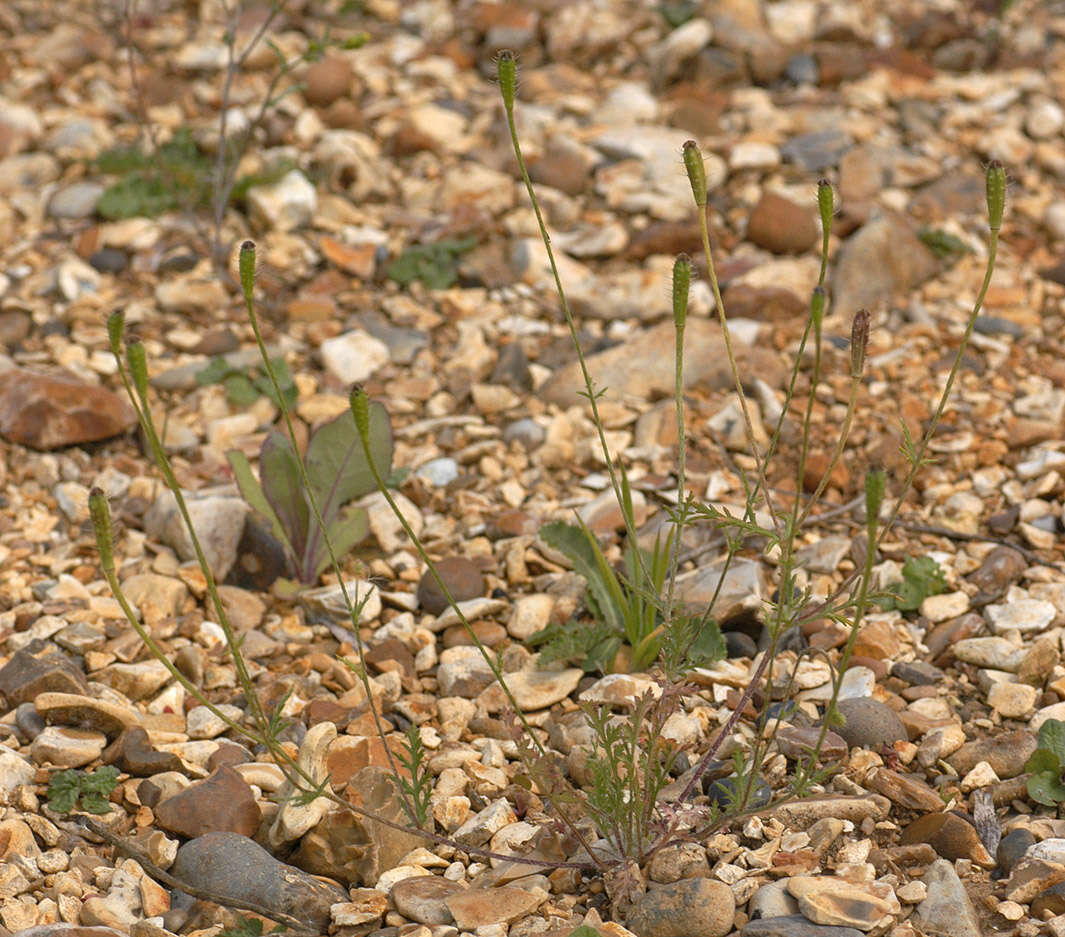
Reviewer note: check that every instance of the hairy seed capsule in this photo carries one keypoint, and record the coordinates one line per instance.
(825, 203)
(360, 409)
(116, 327)
(996, 194)
(507, 70)
(246, 266)
(693, 164)
(137, 359)
(682, 275)
(859, 341)
(101, 526)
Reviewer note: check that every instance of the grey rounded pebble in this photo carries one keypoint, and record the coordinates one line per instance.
(28, 721)
(232, 866)
(772, 900)
(917, 672)
(795, 925)
(526, 431)
(75, 201)
(869, 723)
(1011, 849)
(109, 260)
(738, 644)
(697, 907)
(803, 69)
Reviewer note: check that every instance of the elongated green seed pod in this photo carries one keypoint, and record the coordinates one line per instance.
(682, 275)
(817, 307)
(875, 482)
(360, 409)
(825, 203)
(101, 527)
(246, 266)
(859, 341)
(116, 327)
(507, 70)
(693, 165)
(996, 194)
(137, 360)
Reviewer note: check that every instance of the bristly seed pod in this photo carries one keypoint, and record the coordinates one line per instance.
(360, 409)
(859, 341)
(693, 164)
(825, 203)
(507, 70)
(246, 267)
(137, 360)
(116, 327)
(996, 194)
(682, 274)
(101, 526)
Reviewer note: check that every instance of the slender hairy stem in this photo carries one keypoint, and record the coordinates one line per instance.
(247, 282)
(359, 408)
(507, 78)
(693, 161)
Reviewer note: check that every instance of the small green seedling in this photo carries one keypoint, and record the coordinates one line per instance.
(419, 786)
(75, 789)
(435, 265)
(1047, 765)
(245, 385)
(338, 472)
(922, 576)
(177, 174)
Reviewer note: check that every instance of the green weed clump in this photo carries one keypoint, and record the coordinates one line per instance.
(630, 793)
(434, 265)
(244, 385)
(75, 789)
(922, 576)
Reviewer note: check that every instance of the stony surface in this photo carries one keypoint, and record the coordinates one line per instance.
(396, 250)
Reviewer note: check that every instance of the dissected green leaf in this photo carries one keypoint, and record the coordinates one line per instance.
(214, 372)
(72, 788)
(136, 197)
(435, 265)
(922, 576)
(63, 791)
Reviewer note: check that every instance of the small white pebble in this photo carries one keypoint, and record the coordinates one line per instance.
(1010, 910)
(912, 892)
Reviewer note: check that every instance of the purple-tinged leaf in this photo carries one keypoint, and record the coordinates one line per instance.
(280, 479)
